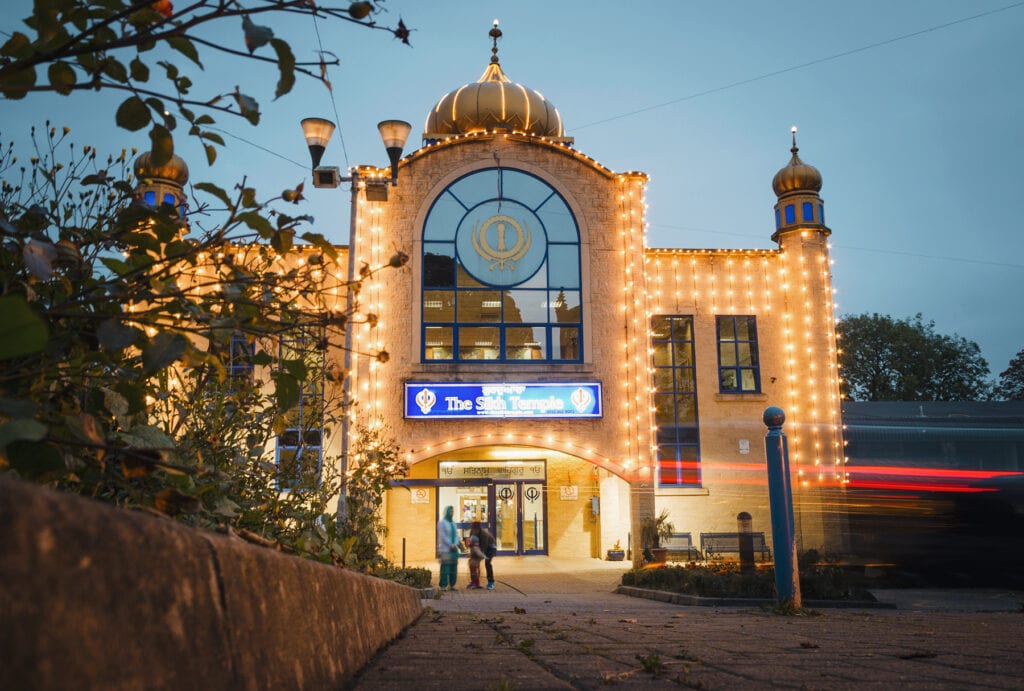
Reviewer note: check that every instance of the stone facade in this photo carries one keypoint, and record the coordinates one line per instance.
(625, 285)
(596, 478)
(580, 485)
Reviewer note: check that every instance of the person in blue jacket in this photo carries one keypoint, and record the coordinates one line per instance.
(448, 550)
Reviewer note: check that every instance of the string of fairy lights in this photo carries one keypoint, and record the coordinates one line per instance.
(689, 281)
(719, 281)
(794, 280)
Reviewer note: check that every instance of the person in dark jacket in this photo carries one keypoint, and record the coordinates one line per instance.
(489, 546)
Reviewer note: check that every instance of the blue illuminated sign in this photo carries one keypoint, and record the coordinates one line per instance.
(438, 400)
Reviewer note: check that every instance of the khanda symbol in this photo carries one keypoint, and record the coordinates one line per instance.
(501, 256)
(426, 399)
(580, 399)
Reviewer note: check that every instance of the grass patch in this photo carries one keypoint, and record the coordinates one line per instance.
(685, 655)
(525, 646)
(652, 664)
(788, 609)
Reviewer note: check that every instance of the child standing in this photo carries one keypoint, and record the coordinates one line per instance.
(476, 555)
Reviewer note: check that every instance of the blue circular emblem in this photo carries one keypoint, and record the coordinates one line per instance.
(501, 243)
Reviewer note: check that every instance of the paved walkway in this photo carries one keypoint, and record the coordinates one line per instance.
(567, 630)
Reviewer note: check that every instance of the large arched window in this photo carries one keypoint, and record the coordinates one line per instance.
(501, 272)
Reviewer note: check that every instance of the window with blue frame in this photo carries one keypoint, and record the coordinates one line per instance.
(738, 368)
(240, 361)
(501, 272)
(675, 401)
(299, 453)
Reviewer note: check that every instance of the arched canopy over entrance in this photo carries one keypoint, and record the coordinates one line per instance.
(535, 501)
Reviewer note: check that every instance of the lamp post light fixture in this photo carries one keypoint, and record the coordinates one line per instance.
(318, 132)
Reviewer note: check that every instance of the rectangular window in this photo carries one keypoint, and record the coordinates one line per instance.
(476, 306)
(438, 305)
(808, 209)
(738, 367)
(565, 343)
(299, 451)
(479, 342)
(675, 401)
(240, 367)
(790, 213)
(438, 265)
(437, 343)
(525, 343)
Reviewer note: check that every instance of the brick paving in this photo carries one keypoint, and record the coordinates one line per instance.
(568, 630)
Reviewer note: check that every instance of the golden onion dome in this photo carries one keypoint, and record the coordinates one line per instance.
(493, 102)
(174, 171)
(797, 176)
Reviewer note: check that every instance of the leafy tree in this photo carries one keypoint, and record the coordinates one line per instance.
(118, 319)
(377, 464)
(886, 359)
(1011, 380)
(117, 335)
(129, 46)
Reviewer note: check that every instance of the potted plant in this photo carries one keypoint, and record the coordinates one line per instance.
(653, 531)
(616, 553)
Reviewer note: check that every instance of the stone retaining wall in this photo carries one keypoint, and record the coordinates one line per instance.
(96, 597)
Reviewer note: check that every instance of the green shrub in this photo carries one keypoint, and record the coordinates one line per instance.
(817, 581)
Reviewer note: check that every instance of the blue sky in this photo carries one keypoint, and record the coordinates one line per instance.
(913, 111)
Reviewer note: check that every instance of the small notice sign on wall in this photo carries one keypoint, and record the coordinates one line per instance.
(569, 492)
(420, 495)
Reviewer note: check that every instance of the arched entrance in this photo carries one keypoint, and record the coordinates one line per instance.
(536, 501)
(508, 496)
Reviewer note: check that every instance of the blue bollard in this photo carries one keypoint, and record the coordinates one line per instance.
(780, 502)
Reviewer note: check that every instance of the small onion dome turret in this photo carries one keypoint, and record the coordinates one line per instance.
(493, 102)
(797, 176)
(799, 207)
(158, 185)
(175, 171)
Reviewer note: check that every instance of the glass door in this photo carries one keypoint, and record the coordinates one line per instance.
(520, 514)
(506, 512)
(469, 504)
(534, 528)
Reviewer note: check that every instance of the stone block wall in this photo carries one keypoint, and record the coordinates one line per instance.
(96, 597)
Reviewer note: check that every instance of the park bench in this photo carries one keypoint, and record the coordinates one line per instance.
(718, 545)
(680, 547)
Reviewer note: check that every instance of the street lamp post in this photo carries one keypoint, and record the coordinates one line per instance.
(317, 132)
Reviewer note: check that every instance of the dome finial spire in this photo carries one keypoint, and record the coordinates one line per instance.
(796, 176)
(495, 34)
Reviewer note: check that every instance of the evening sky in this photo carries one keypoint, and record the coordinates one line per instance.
(913, 111)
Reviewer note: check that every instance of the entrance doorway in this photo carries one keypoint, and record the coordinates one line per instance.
(515, 511)
(520, 517)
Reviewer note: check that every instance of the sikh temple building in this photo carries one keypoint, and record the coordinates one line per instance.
(552, 376)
